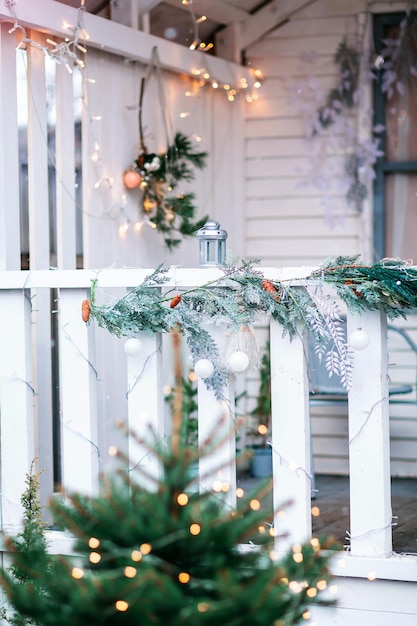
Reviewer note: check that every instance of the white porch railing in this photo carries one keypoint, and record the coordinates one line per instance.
(80, 419)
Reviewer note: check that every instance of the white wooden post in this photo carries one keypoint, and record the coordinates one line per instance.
(369, 454)
(290, 438)
(78, 381)
(145, 411)
(10, 247)
(216, 424)
(16, 404)
(39, 251)
(37, 158)
(65, 170)
(217, 434)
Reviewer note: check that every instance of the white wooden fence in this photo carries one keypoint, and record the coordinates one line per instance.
(22, 430)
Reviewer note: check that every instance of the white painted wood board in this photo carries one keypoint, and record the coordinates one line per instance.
(10, 246)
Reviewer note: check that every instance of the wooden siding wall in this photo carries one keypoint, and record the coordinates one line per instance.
(285, 220)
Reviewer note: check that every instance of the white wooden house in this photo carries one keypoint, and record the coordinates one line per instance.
(63, 385)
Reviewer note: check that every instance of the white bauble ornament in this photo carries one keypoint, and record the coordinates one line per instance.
(358, 340)
(238, 361)
(204, 368)
(133, 346)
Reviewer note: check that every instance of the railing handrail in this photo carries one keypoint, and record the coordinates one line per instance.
(129, 277)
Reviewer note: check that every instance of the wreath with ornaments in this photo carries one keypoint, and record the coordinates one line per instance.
(157, 176)
(242, 293)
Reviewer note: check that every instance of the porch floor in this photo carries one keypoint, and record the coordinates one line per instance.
(332, 498)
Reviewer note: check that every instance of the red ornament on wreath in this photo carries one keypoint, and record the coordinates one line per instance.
(131, 179)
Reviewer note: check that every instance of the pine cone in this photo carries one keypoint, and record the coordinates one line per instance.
(269, 287)
(175, 301)
(85, 310)
(355, 291)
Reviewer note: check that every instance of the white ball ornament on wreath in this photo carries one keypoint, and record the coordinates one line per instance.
(133, 346)
(358, 340)
(238, 361)
(204, 368)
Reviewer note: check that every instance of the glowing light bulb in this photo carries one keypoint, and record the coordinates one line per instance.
(182, 499)
(121, 605)
(123, 228)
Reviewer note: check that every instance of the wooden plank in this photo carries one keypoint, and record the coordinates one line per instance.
(331, 465)
(297, 146)
(274, 128)
(299, 26)
(78, 382)
(37, 158)
(292, 68)
(406, 449)
(59, 19)
(329, 426)
(331, 445)
(315, 227)
(145, 411)
(65, 169)
(268, 17)
(273, 46)
(285, 207)
(280, 248)
(10, 245)
(39, 253)
(17, 442)
(330, 8)
(369, 441)
(403, 469)
(290, 438)
(274, 106)
(286, 187)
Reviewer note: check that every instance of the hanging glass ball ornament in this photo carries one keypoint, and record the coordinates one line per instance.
(133, 346)
(131, 179)
(204, 368)
(238, 361)
(358, 340)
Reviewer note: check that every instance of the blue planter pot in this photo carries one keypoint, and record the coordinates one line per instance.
(261, 462)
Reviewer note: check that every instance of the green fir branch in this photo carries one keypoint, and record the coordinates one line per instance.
(240, 295)
(171, 213)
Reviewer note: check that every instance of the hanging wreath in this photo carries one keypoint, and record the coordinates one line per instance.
(242, 293)
(158, 175)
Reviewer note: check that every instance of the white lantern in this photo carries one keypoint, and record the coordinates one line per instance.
(212, 244)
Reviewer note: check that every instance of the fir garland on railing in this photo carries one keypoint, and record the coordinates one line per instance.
(242, 293)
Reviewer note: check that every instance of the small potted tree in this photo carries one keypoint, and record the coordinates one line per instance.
(261, 462)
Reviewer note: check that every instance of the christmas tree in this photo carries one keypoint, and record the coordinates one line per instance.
(170, 555)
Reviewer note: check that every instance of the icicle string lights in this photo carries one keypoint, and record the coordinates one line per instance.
(70, 53)
(205, 76)
(65, 52)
